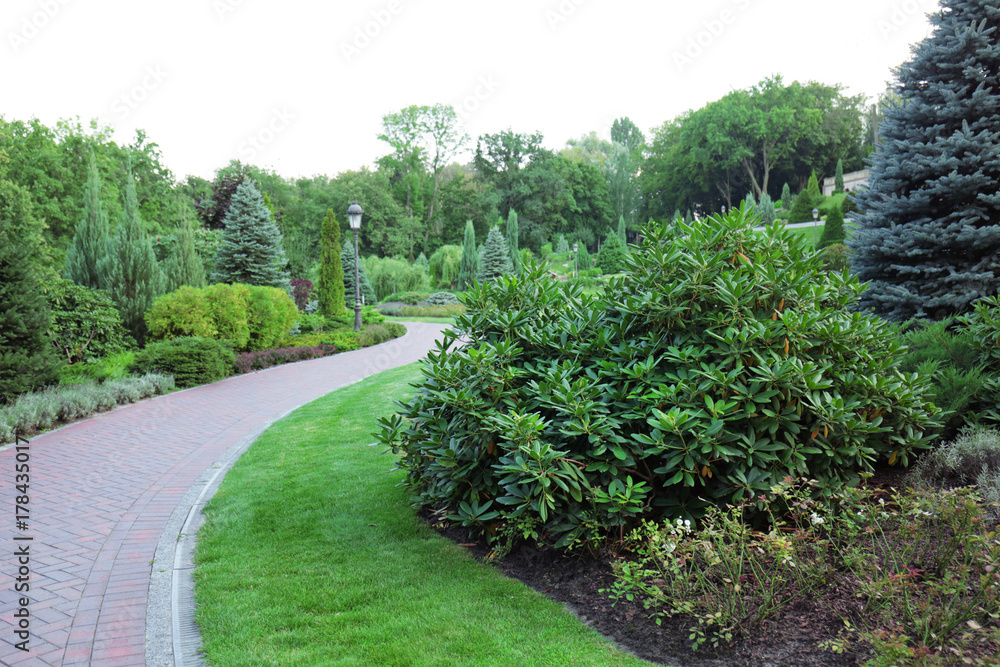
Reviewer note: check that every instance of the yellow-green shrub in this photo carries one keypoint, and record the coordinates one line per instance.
(230, 306)
(272, 314)
(183, 312)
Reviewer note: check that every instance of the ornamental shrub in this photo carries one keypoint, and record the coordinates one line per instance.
(183, 312)
(272, 314)
(85, 324)
(190, 360)
(230, 308)
(720, 363)
(611, 257)
(441, 299)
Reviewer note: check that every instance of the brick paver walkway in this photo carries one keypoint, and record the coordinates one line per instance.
(102, 490)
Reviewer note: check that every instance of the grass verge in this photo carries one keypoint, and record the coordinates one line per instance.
(311, 555)
(432, 320)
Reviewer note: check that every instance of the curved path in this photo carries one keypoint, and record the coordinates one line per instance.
(105, 493)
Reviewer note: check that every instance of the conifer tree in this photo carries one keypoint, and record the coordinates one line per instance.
(583, 259)
(927, 237)
(749, 202)
(87, 255)
(496, 258)
(512, 241)
(562, 245)
(133, 277)
(838, 178)
(368, 296)
(802, 210)
(183, 265)
(469, 268)
(766, 209)
(833, 230)
(27, 358)
(332, 289)
(812, 187)
(422, 262)
(251, 251)
(621, 232)
(786, 197)
(611, 256)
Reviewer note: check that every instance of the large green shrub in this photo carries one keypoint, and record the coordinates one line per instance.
(85, 325)
(230, 307)
(190, 360)
(720, 363)
(390, 275)
(272, 315)
(183, 312)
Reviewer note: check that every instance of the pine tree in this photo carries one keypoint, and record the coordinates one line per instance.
(786, 197)
(611, 256)
(512, 241)
(332, 287)
(749, 202)
(583, 259)
(27, 358)
(347, 265)
(813, 189)
(251, 251)
(803, 208)
(496, 258)
(562, 245)
(765, 209)
(133, 277)
(621, 232)
(469, 268)
(838, 178)
(183, 265)
(422, 262)
(87, 256)
(833, 230)
(927, 236)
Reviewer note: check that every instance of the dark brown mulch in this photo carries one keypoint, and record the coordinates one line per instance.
(576, 580)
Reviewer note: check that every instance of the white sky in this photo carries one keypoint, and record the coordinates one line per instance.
(204, 77)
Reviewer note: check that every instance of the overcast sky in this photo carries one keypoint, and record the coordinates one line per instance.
(301, 87)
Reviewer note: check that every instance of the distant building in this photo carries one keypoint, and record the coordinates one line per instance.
(855, 179)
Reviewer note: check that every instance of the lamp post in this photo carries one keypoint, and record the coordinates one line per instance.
(354, 218)
(815, 223)
(576, 268)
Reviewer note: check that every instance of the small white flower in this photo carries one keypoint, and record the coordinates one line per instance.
(815, 519)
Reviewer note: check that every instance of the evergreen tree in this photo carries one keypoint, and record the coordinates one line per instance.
(183, 265)
(496, 258)
(611, 256)
(927, 237)
(749, 202)
(512, 241)
(583, 259)
(677, 215)
(332, 290)
(250, 252)
(469, 268)
(766, 210)
(621, 232)
(87, 255)
(27, 358)
(786, 197)
(562, 245)
(422, 262)
(133, 277)
(802, 211)
(689, 218)
(368, 296)
(838, 178)
(833, 230)
(813, 189)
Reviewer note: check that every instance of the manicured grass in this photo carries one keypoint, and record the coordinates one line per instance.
(432, 320)
(312, 555)
(808, 234)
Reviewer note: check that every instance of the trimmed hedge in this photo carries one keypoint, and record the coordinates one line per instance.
(191, 360)
(259, 360)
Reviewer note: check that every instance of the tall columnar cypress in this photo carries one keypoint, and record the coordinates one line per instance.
(469, 268)
(251, 251)
(833, 230)
(133, 278)
(183, 265)
(621, 232)
(838, 177)
(928, 230)
(347, 266)
(786, 197)
(512, 243)
(88, 253)
(331, 288)
(812, 187)
(496, 258)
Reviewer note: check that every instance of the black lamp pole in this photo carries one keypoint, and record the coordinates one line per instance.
(354, 218)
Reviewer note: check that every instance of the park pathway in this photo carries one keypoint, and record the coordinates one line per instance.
(105, 491)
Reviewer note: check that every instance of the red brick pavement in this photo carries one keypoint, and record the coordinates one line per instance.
(102, 490)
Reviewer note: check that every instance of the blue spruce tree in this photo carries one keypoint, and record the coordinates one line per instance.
(928, 230)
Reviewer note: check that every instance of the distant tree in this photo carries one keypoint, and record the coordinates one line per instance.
(749, 201)
(422, 262)
(927, 236)
(495, 258)
(765, 209)
(786, 197)
(621, 232)
(88, 253)
(214, 209)
(611, 256)
(833, 230)
(813, 188)
(347, 264)
(469, 268)
(802, 210)
(838, 177)
(331, 290)
(133, 277)
(27, 358)
(562, 245)
(512, 233)
(444, 265)
(583, 258)
(183, 266)
(251, 251)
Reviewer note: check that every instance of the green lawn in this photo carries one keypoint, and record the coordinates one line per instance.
(432, 320)
(312, 555)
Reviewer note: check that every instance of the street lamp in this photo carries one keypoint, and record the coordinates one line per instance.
(815, 223)
(354, 218)
(576, 269)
